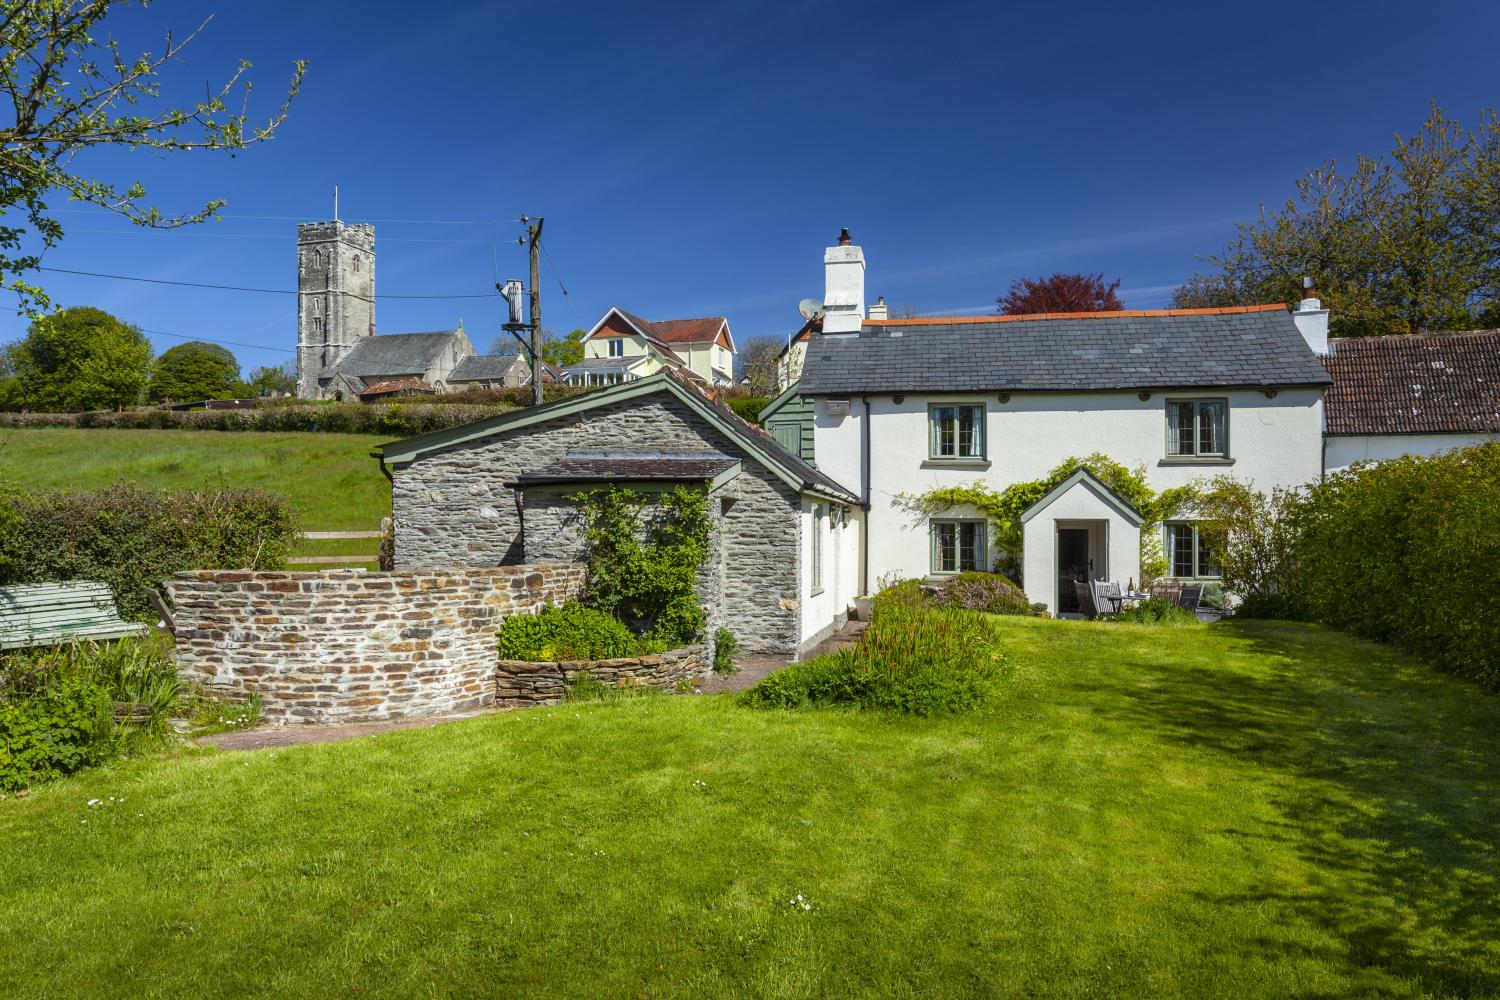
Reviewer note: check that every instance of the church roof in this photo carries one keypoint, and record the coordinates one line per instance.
(483, 366)
(391, 354)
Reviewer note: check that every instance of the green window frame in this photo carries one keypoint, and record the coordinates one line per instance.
(817, 548)
(1198, 428)
(958, 545)
(955, 431)
(1189, 556)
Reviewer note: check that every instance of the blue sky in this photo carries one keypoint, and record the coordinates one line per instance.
(694, 159)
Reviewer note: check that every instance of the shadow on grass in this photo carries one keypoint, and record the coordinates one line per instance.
(1394, 800)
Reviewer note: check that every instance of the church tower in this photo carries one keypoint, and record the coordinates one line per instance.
(335, 296)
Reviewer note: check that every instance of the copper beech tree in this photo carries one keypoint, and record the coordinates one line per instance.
(73, 92)
(1061, 293)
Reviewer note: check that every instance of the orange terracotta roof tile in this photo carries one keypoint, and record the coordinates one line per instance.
(1033, 317)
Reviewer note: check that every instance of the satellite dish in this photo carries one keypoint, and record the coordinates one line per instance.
(810, 309)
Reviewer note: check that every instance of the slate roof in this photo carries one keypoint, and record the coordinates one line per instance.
(1429, 383)
(1072, 352)
(393, 354)
(601, 466)
(482, 366)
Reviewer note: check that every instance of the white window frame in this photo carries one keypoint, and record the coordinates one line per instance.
(815, 571)
(616, 347)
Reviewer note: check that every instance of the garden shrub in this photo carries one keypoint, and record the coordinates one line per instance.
(748, 407)
(988, 592)
(1408, 551)
(725, 646)
(131, 538)
(569, 632)
(1278, 607)
(57, 705)
(915, 658)
(643, 559)
(1156, 611)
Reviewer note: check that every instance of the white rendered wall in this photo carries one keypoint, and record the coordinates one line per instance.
(820, 611)
(1111, 537)
(1343, 450)
(1272, 442)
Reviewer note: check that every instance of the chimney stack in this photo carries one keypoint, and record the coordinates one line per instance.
(878, 310)
(844, 287)
(1312, 319)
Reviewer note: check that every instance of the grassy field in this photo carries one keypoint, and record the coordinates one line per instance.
(330, 478)
(1255, 810)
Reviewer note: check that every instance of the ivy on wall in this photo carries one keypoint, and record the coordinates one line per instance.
(1003, 508)
(643, 556)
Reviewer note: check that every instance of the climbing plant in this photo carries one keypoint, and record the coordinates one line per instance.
(1003, 508)
(643, 556)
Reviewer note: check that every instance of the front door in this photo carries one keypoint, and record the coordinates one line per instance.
(1072, 566)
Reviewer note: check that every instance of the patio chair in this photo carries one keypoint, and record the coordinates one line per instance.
(1190, 597)
(1086, 603)
(1167, 591)
(1113, 598)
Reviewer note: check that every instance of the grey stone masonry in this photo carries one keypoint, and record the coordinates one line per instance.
(460, 506)
(347, 645)
(519, 683)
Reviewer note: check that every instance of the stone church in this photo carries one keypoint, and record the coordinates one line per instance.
(339, 355)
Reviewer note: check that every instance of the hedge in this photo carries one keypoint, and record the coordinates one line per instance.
(1408, 552)
(131, 538)
(393, 419)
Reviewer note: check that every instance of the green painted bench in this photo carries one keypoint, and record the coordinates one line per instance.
(47, 614)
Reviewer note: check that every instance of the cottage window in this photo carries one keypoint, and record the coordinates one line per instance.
(1198, 428)
(818, 518)
(958, 546)
(957, 431)
(1188, 553)
(616, 347)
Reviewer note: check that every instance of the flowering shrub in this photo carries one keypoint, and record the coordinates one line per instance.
(988, 592)
(569, 632)
(916, 658)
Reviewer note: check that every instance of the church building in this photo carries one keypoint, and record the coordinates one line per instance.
(339, 355)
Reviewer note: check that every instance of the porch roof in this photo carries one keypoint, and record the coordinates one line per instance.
(1094, 485)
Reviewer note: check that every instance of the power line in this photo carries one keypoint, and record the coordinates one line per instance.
(308, 218)
(221, 343)
(554, 269)
(238, 288)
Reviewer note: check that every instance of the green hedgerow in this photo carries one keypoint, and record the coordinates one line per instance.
(569, 632)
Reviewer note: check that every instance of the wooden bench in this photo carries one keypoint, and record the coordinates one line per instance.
(47, 614)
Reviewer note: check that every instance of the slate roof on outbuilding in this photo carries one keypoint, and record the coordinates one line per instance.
(391, 354)
(1249, 346)
(598, 466)
(479, 367)
(1431, 383)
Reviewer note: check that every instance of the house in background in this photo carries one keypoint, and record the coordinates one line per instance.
(622, 347)
(1411, 395)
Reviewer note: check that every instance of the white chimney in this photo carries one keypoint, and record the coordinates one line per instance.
(844, 287)
(878, 310)
(1312, 319)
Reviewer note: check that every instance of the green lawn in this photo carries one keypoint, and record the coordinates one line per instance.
(331, 478)
(1242, 810)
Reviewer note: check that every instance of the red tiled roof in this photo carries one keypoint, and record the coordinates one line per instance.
(688, 331)
(395, 385)
(1415, 383)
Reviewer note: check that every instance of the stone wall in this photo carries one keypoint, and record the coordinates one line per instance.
(520, 683)
(459, 506)
(345, 645)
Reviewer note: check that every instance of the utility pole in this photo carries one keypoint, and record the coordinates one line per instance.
(534, 232)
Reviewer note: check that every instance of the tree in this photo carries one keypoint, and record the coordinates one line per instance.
(1061, 293)
(79, 359)
(194, 370)
(760, 362)
(278, 381)
(1404, 243)
(74, 92)
(568, 351)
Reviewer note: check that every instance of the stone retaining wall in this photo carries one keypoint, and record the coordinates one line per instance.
(522, 682)
(344, 645)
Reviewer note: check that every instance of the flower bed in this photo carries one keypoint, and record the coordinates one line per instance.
(521, 683)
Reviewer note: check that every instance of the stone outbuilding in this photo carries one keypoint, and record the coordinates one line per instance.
(785, 549)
